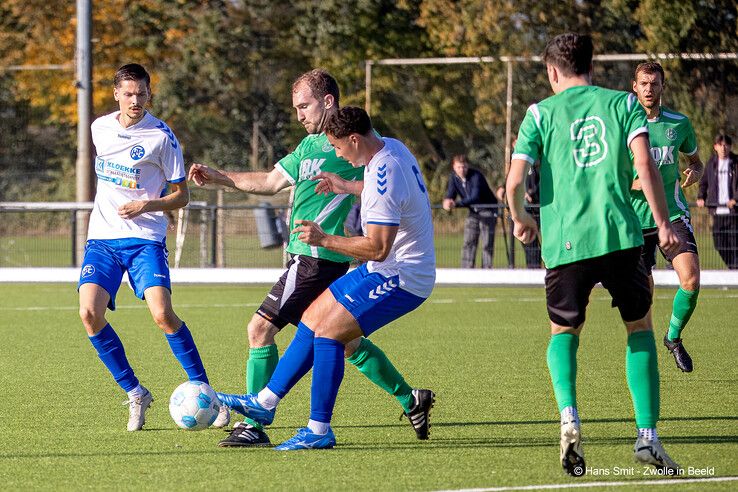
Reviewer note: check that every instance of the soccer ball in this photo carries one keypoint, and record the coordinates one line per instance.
(194, 405)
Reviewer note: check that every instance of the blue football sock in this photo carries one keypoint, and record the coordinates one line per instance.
(184, 349)
(327, 377)
(295, 362)
(111, 352)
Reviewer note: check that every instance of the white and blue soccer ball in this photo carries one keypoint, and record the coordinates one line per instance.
(194, 405)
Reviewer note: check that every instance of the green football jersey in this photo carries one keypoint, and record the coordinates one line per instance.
(312, 156)
(669, 134)
(581, 138)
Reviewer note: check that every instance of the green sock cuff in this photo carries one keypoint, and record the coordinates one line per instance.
(253, 423)
(685, 302)
(640, 337)
(361, 352)
(264, 352)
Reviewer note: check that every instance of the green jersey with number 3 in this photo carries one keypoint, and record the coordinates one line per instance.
(312, 156)
(581, 137)
(669, 134)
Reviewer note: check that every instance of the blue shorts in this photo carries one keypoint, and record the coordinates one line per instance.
(107, 259)
(373, 299)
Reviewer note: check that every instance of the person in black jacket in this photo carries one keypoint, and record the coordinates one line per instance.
(473, 191)
(719, 192)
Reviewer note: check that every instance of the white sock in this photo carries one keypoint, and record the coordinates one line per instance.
(137, 391)
(649, 434)
(268, 399)
(569, 414)
(320, 428)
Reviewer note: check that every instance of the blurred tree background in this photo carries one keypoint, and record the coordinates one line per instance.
(222, 72)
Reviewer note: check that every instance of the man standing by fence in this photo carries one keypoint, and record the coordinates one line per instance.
(471, 187)
(719, 192)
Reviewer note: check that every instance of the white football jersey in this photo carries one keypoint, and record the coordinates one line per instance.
(133, 163)
(395, 194)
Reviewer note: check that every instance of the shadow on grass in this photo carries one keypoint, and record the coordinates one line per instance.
(432, 444)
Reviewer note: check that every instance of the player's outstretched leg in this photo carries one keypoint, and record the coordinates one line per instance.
(419, 414)
(562, 365)
(373, 363)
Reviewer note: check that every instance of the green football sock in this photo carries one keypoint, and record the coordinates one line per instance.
(259, 369)
(684, 303)
(374, 364)
(562, 365)
(642, 371)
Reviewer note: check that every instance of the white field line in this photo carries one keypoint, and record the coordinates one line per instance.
(583, 485)
(478, 300)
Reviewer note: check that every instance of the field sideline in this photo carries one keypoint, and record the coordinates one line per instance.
(482, 350)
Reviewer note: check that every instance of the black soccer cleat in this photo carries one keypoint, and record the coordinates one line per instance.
(245, 435)
(419, 416)
(681, 357)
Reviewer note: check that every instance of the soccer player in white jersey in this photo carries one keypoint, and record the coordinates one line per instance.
(398, 276)
(138, 158)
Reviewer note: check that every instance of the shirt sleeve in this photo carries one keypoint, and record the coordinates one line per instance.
(172, 161)
(636, 121)
(529, 144)
(689, 146)
(384, 194)
(451, 188)
(289, 165)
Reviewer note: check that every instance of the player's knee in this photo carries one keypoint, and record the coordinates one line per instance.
(691, 282)
(261, 333)
(166, 320)
(90, 316)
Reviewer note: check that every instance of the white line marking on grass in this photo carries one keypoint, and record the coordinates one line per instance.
(128, 306)
(670, 481)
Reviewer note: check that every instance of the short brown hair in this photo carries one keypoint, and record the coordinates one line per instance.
(132, 71)
(459, 158)
(320, 82)
(571, 53)
(650, 67)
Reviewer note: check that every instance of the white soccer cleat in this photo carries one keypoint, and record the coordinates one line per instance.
(572, 455)
(137, 407)
(650, 452)
(223, 418)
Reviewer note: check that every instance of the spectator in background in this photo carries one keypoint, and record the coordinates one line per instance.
(472, 190)
(719, 192)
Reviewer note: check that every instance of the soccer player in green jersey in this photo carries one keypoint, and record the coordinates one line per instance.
(581, 136)
(669, 133)
(311, 269)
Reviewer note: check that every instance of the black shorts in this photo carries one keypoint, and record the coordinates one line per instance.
(305, 279)
(684, 231)
(622, 273)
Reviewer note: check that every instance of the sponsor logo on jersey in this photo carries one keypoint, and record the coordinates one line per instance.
(88, 270)
(663, 155)
(118, 174)
(123, 135)
(671, 134)
(310, 168)
(137, 152)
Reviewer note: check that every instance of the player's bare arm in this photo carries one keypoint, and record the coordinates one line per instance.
(694, 171)
(258, 183)
(333, 183)
(178, 198)
(526, 229)
(375, 246)
(653, 189)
